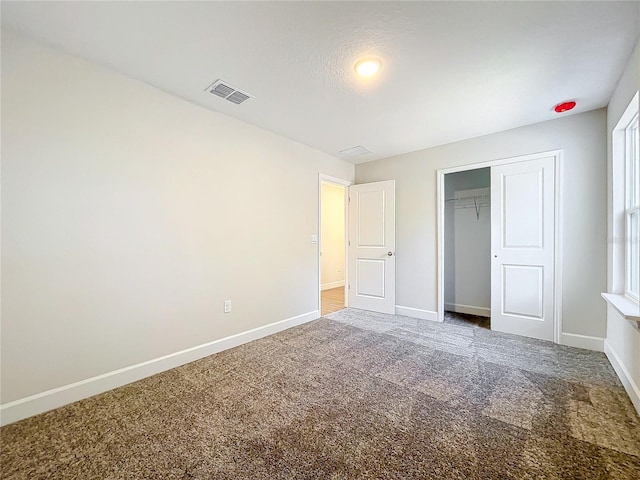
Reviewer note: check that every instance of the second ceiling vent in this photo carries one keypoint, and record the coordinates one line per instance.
(357, 151)
(222, 89)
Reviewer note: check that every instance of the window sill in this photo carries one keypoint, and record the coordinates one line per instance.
(625, 307)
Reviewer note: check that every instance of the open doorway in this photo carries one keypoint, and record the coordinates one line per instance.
(467, 248)
(332, 246)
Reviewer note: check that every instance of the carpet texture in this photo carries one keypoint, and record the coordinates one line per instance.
(355, 395)
(465, 319)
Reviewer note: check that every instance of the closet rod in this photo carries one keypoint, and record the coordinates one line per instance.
(470, 197)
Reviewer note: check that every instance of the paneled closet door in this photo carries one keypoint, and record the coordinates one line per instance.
(522, 248)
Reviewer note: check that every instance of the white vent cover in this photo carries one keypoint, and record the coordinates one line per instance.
(357, 151)
(223, 90)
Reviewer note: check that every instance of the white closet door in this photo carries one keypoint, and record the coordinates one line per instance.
(522, 247)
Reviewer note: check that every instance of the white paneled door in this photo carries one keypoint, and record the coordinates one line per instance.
(372, 243)
(522, 248)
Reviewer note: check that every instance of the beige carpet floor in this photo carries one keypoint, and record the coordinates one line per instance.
(356, 395)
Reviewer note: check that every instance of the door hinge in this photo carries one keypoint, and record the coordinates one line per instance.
(349, 243)
(349, 287)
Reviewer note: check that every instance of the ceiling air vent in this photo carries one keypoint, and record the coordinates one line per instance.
(223, 90)
(357, 151)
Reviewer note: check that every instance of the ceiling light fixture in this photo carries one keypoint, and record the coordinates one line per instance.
(368, 67)
(564, 107)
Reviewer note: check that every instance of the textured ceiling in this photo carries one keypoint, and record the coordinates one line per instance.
(450, 70)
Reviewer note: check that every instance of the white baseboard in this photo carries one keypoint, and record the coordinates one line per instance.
(417, 313)
(468, 309)
(57, 397)
(582, 341)
(330, 285)
(628, 383)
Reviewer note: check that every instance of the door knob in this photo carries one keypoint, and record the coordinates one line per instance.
(390, 254)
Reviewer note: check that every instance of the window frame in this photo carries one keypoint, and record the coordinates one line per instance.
(631, 204)
(618, 296)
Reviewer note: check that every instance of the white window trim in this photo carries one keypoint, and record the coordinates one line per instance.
(631, 205)
(618, 296)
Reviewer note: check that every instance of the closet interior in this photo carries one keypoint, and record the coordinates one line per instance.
(467, 247)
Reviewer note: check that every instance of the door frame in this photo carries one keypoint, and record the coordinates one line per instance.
(557, 260)
(322, 178)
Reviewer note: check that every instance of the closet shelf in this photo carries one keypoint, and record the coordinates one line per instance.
(469, 198)
(471, 201)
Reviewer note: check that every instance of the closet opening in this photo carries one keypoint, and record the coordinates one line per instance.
(467, 248)
(499, 254)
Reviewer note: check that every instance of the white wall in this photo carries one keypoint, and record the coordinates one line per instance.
(467, 248)
(129, 216)
(583, 170)
(623, 338)
(333, 235)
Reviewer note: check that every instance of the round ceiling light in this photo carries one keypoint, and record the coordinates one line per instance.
(368, 67)
(564, 107)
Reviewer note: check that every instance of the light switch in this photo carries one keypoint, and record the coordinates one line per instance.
(314, 238)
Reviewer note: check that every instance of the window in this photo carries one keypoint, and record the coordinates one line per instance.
(624, 228)
(632, 208)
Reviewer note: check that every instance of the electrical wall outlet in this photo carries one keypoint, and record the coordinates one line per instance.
(227, 306)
